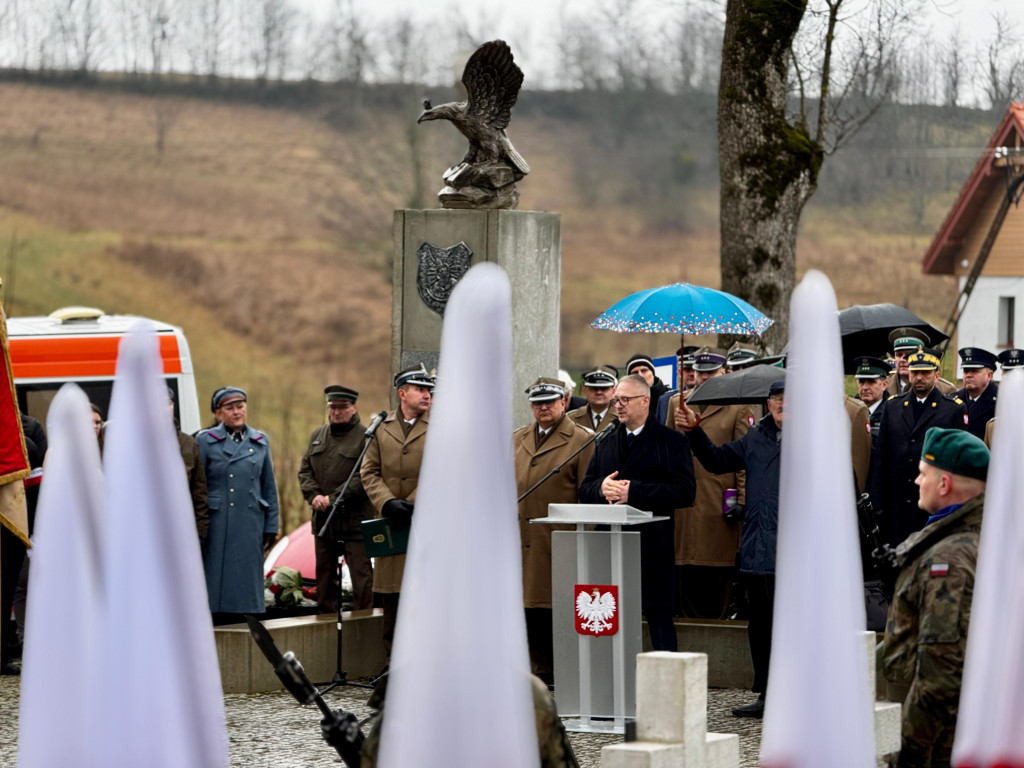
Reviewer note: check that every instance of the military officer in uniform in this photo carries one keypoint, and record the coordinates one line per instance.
(979, 392)
(707, 534)
(740, 356)
(860, 440)
(242, 500)
(871, 389)
(900, 435)
(1009, 359)
(539, 448)
(598, 385)
(905, 342)
(333, 450)
(390, 474)
(926, 631)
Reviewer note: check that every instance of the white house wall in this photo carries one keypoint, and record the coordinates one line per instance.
(979, 324)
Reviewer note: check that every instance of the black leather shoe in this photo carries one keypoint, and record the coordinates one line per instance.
(750, 710)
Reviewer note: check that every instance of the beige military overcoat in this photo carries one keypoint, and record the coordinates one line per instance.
(703, 537)
(531, 465)
(391, 470)
(585, 417)
(860, 439)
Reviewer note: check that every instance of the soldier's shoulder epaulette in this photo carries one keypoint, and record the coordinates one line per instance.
(585, 428)
(520, 429)
(211, 436)
(954, 399)
(260, 437)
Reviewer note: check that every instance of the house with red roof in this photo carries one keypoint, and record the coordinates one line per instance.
(986, 226)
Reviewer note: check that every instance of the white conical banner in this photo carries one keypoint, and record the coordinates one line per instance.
(989, 730)
(818, 709)
(460, 641)
(62, 642)
(161, 697)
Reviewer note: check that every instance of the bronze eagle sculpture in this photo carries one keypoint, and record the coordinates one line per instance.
(486, 176)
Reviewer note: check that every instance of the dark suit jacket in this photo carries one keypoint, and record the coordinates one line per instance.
(897, 453)
(980, 412)
(660, 470)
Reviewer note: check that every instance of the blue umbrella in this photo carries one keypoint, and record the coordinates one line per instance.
(683, 308)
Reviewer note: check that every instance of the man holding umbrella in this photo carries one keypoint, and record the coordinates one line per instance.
(707, 537)
(759, 453)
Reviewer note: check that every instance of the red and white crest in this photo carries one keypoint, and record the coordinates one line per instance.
(597, 609)
(750, 419)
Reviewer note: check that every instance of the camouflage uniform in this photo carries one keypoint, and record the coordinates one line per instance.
(926, 632)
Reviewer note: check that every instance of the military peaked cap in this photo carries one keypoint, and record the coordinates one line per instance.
(417, 376)
(908, 338)
(1011, 358)
(924, 360)
(602, 377)
(871, 368)
(709, 359)
(974, 357)
(544, 390)
(338, 392)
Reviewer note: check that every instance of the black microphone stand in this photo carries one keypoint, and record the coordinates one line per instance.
(340, 678)
(598, 437)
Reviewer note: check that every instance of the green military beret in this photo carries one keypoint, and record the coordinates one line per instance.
(956, 451)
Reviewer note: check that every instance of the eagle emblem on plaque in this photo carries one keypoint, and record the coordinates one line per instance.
(597, 609)
(438, 272)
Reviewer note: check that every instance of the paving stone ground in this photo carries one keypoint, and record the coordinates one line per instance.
(271, 730)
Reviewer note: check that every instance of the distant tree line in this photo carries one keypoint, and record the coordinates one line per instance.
(603, 46)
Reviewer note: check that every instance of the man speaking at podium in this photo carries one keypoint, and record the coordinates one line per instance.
(648, 466)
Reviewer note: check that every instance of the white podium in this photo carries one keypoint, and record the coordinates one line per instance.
(595, 674)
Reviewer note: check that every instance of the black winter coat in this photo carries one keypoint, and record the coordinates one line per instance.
(897, 453)
(660, 470)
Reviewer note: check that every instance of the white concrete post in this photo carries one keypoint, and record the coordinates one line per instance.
(671, 718)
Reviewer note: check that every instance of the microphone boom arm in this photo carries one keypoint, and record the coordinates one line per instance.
(596, 438)
(322, 533)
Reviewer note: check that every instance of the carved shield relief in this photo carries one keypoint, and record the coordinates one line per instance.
(439, 270)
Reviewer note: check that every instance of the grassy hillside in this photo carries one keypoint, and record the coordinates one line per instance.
(266, 232)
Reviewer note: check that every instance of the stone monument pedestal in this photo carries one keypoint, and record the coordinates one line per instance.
(429, 260)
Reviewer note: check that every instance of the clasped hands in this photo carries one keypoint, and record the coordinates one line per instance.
(615, 491)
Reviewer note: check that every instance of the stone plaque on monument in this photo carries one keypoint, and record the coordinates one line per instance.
(433, 248)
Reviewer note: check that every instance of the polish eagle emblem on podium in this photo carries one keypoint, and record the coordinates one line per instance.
(439, 270)
(597, 609)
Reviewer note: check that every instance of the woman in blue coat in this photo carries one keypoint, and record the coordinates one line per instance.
(758, 452)
(243, 509)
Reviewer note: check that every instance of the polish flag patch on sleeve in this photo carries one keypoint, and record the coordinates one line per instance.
(940, 569)
(750, 419)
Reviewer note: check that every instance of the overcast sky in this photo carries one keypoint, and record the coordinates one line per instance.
(531, 26)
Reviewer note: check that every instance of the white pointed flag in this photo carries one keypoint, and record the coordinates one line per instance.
(61, 621)
(160, 695)
(460, 642)
(988, 729)
(818, 709)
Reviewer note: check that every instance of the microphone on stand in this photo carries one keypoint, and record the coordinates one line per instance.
(608, 429)
(375, 423)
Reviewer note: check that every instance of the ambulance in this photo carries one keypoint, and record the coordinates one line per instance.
(79, 344)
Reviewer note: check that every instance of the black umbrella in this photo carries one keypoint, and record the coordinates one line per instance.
(747, 386)
(865, 330)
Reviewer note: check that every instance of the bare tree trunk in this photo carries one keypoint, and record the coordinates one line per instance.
(768, 167)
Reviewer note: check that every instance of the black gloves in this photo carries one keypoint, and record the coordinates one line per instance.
(735, 514)
(398, 511)
(887, 567)
(268, 540)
